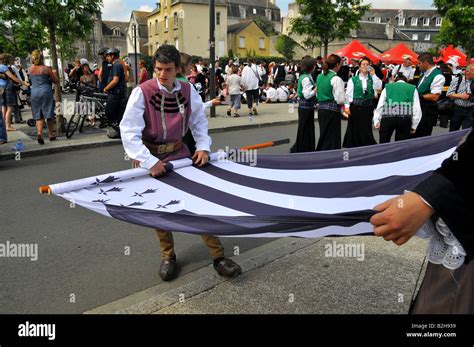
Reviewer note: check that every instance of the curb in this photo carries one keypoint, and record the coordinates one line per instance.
(166, 294)
(73, 147)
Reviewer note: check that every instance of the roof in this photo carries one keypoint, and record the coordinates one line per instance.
(108, 26)
(141, 16)
(406, 13)
(236, 28)
(371, 30)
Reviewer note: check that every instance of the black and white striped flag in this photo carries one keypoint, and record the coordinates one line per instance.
(307, 195)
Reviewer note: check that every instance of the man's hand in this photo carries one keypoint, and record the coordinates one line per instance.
(216, 101)
(400, 218)
(412, 131)
(464, 96)
(158, 169)
(377, 125)
(200, 158)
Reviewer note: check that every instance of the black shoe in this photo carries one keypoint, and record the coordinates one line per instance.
(168, 269)
(227, 267)
(228, 112)
(40, 140)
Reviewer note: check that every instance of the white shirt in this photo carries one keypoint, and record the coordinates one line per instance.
(272, 94)
(407, 71)
(415, 120)
(250, 77)
(308, 89)
(377, 85)
(437, 84)
(133, 123)
(283, 93)
(233, 83)
(338, 89)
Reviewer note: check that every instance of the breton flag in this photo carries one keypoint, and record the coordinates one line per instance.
(312, 194)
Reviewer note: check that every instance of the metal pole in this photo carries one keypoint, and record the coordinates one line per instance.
(136, 55)
(212, 53)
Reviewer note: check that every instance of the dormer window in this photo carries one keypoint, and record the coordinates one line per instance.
(116, 32)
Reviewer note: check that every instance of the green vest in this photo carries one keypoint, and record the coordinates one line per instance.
(300, 84)
(400, 97)
(182, 78)
(324, 90)
(425, 87)
(359, 91)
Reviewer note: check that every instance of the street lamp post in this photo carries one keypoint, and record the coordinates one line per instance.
(135, 49)
(212, 53)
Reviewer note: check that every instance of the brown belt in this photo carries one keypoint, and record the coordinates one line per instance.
(163, 148)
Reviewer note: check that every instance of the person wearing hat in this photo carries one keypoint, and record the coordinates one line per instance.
(116, 88)
(104, 70)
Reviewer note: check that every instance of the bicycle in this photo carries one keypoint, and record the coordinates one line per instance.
(88, 96)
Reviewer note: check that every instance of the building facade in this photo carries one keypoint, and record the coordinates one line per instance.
(185, 25)
(246, 38)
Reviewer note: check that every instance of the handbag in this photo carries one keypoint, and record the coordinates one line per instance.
(446, 104)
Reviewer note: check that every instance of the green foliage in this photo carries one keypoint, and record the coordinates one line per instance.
(264, 24)
(285, 45)
(230, 54)
(458, 24)
(324, 21)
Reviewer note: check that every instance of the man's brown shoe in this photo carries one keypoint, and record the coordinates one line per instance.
(168, 269)
(226, 267)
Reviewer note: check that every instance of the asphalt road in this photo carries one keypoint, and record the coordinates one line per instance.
(82, 262)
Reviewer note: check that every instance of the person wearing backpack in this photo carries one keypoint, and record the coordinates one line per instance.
(460, 91)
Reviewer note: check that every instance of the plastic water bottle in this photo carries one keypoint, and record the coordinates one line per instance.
(19, 146)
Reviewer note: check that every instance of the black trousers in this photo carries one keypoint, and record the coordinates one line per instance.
(330, 130)
(252, 97)
(305, 139)
(429, 117)
(462, 117)
(115, 108)
(401, 126)
(359, 127)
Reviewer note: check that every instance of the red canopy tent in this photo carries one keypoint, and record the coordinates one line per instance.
(396, 55)
(357, 50)
(450, 53)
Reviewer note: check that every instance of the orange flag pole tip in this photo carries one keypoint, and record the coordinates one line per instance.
(45, 190)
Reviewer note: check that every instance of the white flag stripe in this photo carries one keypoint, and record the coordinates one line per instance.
(408, 167)
(292, 202)
(165, 192)
(357, 229)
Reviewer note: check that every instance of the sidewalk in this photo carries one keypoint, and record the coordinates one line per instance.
(292, 276)
(269, 115)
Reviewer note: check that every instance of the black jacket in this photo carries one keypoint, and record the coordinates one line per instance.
(450, 191)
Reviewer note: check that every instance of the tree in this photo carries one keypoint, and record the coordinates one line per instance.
(285, 45)
(62, 20)
(324, 21)
(264, 24)
(458, 24)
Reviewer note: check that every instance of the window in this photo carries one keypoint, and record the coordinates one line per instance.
(439, 21)
(261, 43)
(218, 18)
(427, 37)
(176, 43)
(149, 30)
(401, 21)
(377, 19)
(414, 22)
(268, 14)
(254, 11)
(243, 12)
(166, 23)
(242, 42)
(156, 27)
(175, 20)
(116, 32)
(414, 37)
(426, 22)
